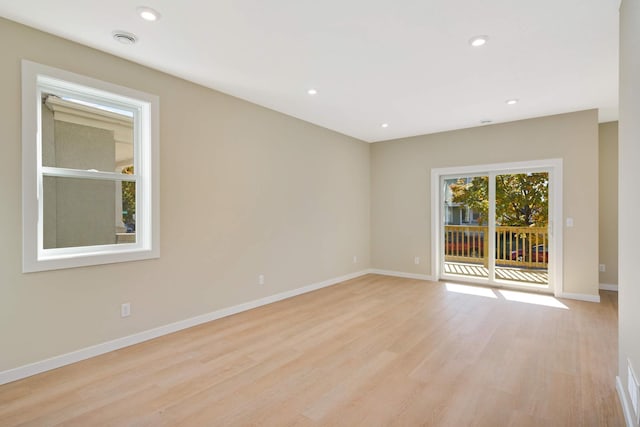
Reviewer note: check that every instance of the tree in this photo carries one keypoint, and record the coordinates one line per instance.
(521, 199)
(128, 198)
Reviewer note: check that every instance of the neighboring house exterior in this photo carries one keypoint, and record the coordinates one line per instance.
(82, 136)
(457, 213)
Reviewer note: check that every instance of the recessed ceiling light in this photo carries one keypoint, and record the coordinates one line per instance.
(312, 92)
(511, 101)
(384, 125)
(124, 37)
(148, 14)
(478, 41)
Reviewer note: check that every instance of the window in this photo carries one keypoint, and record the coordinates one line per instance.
(90, 173)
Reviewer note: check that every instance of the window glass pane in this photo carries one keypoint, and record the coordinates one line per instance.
(522, 235)
(85, 136)
(87, 212)
(466, 209)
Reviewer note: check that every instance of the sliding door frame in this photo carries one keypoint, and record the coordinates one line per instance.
(552, 166)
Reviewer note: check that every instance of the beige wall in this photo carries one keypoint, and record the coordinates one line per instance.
(608, 176)
(245, 191)
(629, 176)
(400, 194)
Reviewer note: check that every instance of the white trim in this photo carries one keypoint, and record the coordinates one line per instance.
(626, 405)
(75, 173)
(437, 218)
(608, 287)
(579, 297)
(553, 166)
(491, 238)
(118, 343)
(402, 274)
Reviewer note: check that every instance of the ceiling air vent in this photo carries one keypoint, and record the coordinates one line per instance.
(124, 37)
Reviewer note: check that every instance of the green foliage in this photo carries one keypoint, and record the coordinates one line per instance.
(521, 199)
(474, 195)
(128, 198)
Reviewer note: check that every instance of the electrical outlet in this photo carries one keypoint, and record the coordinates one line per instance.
(261, 279)
(602, 268)
(416, 260)
(125, 309)
(355, 259)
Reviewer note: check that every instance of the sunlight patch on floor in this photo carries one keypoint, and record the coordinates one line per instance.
(514, 296)
(537, 299)
(470, 290)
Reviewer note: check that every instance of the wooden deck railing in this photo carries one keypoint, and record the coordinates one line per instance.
(465, 243)
(515, 246)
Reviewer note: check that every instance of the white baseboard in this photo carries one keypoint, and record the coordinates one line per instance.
(580, 297)
(98, 349)
(608, 287)
(402, 274)
(626, 405)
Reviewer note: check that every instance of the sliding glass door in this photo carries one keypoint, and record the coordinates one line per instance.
(495, 227)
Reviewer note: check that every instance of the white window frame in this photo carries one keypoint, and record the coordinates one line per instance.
(37, 78)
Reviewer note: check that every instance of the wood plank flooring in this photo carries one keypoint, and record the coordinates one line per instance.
(374, 351)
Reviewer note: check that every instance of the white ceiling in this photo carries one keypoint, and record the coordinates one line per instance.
(407, 63)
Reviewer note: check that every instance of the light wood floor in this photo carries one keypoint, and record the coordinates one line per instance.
(373, 351)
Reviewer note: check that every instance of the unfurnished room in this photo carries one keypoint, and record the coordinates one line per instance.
(338, 213)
